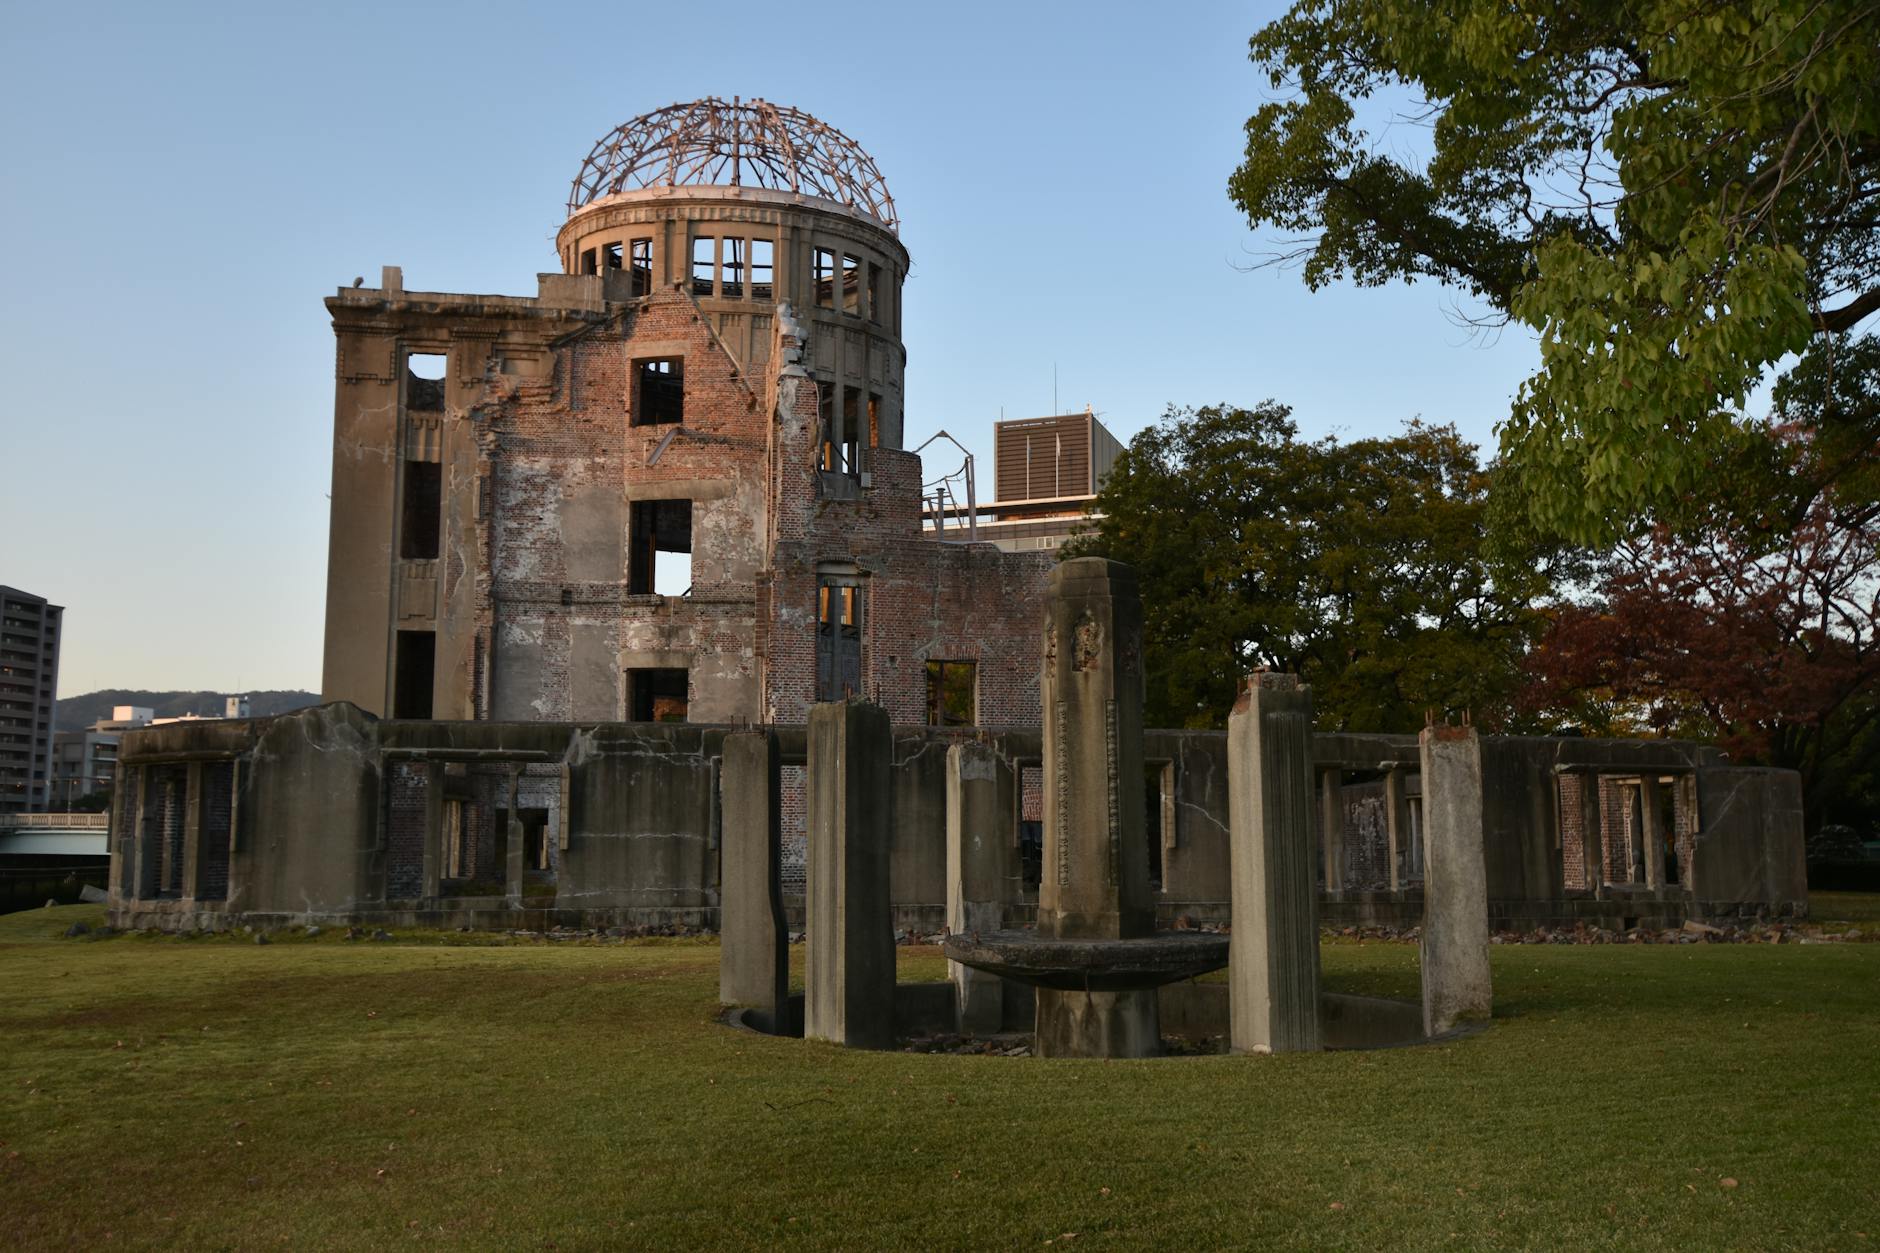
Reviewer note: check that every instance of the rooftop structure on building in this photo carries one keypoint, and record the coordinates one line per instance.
(29, 681)
(1046, 476)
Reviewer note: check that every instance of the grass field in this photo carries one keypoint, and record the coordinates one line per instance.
(213, 1093)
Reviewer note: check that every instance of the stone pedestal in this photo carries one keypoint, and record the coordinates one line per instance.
(1273, 963)
(983, 871)
(1098, 1024)
(1456, 983)
(849, 982)
(754, 954)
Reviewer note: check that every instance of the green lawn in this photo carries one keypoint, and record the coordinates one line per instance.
(213, 1093)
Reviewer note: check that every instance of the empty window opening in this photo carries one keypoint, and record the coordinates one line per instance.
(851, 430)
(704, 264)
(1031, 826)
(874, 420)
(588, 265)
(538, 863)
(875, 309)
(421, 518)
(851, 284)
(762, 269)
(416, 665)
(640, 254)
(659, 391)
(656, 695)
(1158, 820)
(952, 693)
(822, 270)
(731, 279)
(424, 382)
(610, 256)
(659, 535)
(838, 640)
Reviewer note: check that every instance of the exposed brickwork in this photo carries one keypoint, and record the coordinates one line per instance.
(407, 787)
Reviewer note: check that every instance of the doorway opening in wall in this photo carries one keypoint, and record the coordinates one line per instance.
(424, 382)
(659, 559)
(538, 870)
(1031, 826)
(415, 667)
(838, 640)
(656, 695)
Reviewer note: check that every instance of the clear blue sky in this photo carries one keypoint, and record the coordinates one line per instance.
(184, 184)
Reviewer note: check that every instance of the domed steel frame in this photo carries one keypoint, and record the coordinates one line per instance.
(712, 142)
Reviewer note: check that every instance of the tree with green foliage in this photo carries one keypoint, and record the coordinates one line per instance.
(1358, 566)
(1679, 196)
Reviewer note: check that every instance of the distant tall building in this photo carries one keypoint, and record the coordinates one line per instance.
(1046, 473)
(29, 682)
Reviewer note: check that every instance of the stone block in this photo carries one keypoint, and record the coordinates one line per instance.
(849, 983)
(754, 955)
(1273, 961)
(1456, 982)
(982, 870)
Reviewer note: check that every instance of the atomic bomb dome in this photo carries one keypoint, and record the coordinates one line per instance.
(714, 143)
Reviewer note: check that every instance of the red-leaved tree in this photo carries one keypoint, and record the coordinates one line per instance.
(1771, 651)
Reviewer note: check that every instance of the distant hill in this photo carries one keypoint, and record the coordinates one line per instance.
(75, 713)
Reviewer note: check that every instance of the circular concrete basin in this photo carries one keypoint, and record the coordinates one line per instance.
(1090, 965)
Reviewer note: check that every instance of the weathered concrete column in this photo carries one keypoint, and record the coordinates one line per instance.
(982, 871)
(1332, 828)
(1094, 816)
(190, 881)
(1652, 832)
(849, 983)
(433, 829)
(1456, 983)
(514, 845)
(1273, 954)
(1592, 834)
(1395, 810)
(754, 954)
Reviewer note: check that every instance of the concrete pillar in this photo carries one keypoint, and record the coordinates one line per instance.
(754, 957)
(433, 829)
(237, 839)
(1456, 983)
(1651, 832)
(513, 846)
(982, 870)
(849, 983)
(1592, 834)
(1094, 803)
(190, 882)
(1273, 954)
(1332, 829)
(1396, 811)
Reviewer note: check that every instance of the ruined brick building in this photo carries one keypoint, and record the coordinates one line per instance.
(672, 485)
(672, 488)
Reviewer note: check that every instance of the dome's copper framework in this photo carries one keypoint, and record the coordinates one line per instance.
(752, 143)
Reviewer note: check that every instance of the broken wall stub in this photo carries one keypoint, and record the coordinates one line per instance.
(620, 824)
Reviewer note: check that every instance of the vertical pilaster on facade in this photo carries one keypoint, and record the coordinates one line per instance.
(1332, 829)
(513, 845)
(1651, 832)
(433, 830)
(1456, 982)
(124, 826)
(237, 838)
(1396, 811)
(849, 981)
(1273, 956)
(754, 952)
(191, 882)
(1593, 834)
(982, 870)
(143, 839)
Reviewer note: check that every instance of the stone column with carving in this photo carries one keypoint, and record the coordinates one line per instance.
(1094, 818)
